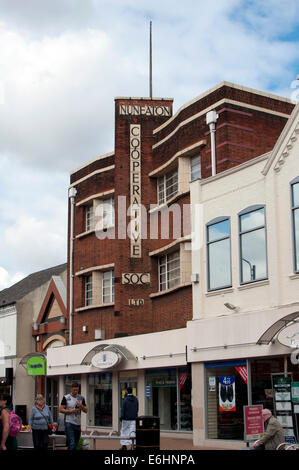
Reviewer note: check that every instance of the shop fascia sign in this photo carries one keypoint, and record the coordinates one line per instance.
(36, 365)
(105, 360)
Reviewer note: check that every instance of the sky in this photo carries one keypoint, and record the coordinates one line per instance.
(62, 63)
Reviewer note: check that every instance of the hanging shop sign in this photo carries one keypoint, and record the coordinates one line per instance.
(36, 365)
(289, 336)
(105, 360)
(253, 422)
(227, 393)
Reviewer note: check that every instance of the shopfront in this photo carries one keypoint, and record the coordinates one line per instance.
(231, 385)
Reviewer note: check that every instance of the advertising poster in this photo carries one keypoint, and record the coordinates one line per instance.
(253, 420)
(227, 393)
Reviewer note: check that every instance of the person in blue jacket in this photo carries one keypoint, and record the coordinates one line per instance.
(39, 421)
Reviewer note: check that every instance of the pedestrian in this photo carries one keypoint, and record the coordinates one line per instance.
(7, 442)
(40, 419)
(129, 413)
(71, 406)
(273, 435)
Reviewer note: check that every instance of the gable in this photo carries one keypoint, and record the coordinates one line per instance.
(54, 304)
(287, 142)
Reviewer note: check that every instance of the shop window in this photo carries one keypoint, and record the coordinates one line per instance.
(195, 167)
(88, 290)
(169, 271)
(89, 220)
(253, 249)
(167, 186)
(108, 286)
(168, 395)
(218, 252)
(100, 400)
(226, 392)
(295, 218)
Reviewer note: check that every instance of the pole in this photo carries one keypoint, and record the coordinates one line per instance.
(72, 195)
(150, 64)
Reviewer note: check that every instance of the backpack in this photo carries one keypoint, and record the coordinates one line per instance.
(15, 424)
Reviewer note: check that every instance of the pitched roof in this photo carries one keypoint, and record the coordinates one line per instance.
(20, 289)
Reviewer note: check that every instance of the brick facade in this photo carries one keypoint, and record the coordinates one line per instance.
(249, 124)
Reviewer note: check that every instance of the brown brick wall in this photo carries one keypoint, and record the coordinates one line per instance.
(241, 134)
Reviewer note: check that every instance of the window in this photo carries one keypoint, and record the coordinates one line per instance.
(295, 216)
(168, 395)
(253, 250)
(218, 252)
(107, 212)
(88, 290)
(195, 167)
(89, 218)
(167, 186)
(108, 287)
(169, 271)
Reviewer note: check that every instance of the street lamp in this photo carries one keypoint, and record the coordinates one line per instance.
(252, 269)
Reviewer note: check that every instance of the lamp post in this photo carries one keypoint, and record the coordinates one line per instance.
(252, 269)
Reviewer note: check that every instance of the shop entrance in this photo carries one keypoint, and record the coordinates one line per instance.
(52, 396)
(125, 382)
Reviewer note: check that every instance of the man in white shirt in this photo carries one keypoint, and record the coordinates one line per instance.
(71, 406)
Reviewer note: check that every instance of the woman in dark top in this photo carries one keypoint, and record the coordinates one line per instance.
(7, 442)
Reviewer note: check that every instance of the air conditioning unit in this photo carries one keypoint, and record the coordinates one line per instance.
(99, 334)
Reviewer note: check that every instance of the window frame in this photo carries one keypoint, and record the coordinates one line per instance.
(89, 217)
(88, 288)
(167, 271)
(111, 287)
(192, 158)
(249, 210)
(293, 210)
(162, 182)
(215, 221)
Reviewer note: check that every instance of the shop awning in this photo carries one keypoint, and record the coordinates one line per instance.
(269, 334)
(116, 348)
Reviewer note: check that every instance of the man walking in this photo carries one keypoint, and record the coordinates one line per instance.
(129, 412)
(71, 406)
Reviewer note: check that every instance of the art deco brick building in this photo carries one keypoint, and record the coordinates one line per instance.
(132, 290)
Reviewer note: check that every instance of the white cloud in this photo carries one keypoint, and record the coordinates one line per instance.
(7, 280)
(62, 63)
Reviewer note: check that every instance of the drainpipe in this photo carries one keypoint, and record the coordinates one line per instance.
(72, 195)
(212, 117)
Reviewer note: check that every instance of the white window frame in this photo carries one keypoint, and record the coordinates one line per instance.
(88, 290)
(89, 217)
(108, 276)
(195, 167)
(163, 186)
(165, 262)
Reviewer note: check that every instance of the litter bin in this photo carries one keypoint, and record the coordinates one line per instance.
(148, 433)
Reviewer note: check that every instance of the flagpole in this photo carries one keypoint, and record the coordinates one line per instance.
(150, 64)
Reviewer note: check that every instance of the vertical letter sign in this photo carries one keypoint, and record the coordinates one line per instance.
(135, 189)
